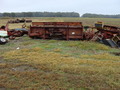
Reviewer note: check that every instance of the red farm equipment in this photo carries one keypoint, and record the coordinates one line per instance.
(109, 35)
(56, 30)
(12, 33)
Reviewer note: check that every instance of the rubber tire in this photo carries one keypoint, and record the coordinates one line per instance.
(3, 41)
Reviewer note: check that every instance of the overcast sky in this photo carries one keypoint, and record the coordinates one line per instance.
(80, 6)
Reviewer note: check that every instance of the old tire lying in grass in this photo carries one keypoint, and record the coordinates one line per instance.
(3, 41)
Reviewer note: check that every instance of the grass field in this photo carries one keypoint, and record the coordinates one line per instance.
(86, 21)
(58, 64)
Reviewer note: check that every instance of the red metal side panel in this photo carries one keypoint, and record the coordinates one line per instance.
(37, 23)
(57, 23)
(36, 32)
(67, 30)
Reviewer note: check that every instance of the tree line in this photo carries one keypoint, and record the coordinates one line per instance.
(56, 14)
(89, 15)
(40, 14)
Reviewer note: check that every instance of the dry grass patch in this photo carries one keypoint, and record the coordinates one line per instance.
(57, 71)
(102, 56)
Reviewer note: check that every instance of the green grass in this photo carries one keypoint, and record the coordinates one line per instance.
(86, 21)
(55, 64)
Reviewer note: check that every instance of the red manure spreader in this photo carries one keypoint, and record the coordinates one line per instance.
(56, 30)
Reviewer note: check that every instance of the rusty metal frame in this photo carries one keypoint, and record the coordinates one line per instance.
(68, 30)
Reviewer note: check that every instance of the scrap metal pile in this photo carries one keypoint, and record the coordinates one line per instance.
(20, 21)
(6, 33)
(109, 35)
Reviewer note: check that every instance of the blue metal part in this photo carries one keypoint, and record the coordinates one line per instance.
(20, 29)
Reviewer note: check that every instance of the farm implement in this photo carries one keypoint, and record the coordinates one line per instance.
(5, 32)
(56, 30)
(17, 32)
(109, 35)
(106, 34)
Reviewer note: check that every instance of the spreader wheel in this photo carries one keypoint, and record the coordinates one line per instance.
(3, 41)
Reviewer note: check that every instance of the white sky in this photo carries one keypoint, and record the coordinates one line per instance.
(80, 6)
